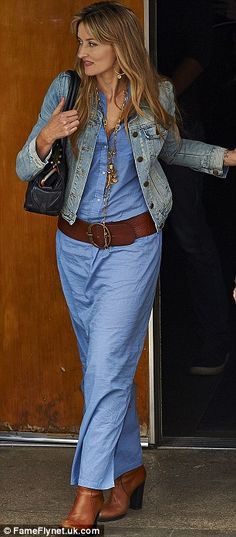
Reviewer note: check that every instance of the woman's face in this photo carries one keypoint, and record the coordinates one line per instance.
(98, 58)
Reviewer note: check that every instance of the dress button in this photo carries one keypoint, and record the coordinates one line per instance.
(140, 159)
(151, 205)
(146, 183)
(135, 134)
(215, 172)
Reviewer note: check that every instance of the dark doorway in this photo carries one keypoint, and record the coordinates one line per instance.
(198, 314)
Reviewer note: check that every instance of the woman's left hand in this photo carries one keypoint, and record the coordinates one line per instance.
(234, 294)
(230, 157)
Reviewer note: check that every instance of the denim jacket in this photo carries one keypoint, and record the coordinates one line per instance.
(147, 146)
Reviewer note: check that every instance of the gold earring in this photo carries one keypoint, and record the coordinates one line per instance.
(119, 75)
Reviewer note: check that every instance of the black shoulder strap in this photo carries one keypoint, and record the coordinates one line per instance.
(73, 89)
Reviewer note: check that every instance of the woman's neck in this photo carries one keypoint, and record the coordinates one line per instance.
(111, 86)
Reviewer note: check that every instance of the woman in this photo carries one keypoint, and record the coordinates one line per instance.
(123, 121)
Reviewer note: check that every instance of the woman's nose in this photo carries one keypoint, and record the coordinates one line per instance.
(82, 51)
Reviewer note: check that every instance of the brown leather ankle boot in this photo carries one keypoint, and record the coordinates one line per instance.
(128, 492)
(87, 504)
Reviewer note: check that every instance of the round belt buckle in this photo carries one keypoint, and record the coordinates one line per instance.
(106, 235)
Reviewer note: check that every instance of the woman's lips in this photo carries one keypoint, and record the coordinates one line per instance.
(87, 64)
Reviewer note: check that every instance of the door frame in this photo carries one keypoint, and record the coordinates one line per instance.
(32, 439)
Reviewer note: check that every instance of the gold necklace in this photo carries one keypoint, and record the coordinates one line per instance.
(111, 153)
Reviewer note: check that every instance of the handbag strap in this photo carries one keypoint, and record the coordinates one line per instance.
(73, 89)
(74, 83)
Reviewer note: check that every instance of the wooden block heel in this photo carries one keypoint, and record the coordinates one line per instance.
(136, 498)
(127, 492)
(95, 524)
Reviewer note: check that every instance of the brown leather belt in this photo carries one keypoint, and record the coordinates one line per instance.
(112, 234)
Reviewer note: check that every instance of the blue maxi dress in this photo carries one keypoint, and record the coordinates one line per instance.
(110, 295)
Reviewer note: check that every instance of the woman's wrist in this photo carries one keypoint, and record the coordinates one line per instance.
(43, 146)
(229, 157)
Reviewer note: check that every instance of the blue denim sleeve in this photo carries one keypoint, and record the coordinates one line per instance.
(28, 162)
(193, 154)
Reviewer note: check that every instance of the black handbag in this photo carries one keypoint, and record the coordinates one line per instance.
(45, 191)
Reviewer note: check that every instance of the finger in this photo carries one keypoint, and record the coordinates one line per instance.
(59, 107)
(69, 126)
(70, 131)
(72, 124)
(70, 114)
(72, 127)
(69, 122)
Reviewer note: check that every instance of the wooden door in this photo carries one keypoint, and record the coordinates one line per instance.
(40, 370)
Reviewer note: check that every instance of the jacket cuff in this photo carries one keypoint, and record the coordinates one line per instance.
(216, 162)
(34, 155)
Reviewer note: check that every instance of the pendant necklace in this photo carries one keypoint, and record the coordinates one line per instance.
(111, 176)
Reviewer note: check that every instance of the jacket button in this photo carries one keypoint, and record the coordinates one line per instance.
(151, 205)
(140, 159)
(135, 134)
(146, 183)
(215, 172)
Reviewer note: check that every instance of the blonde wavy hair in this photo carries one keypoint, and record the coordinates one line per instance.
(113, 23)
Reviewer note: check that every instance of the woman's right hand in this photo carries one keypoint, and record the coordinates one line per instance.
(60, 125)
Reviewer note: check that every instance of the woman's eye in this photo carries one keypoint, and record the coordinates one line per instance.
(90, 44)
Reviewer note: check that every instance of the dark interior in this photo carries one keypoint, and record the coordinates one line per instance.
(194, 405)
